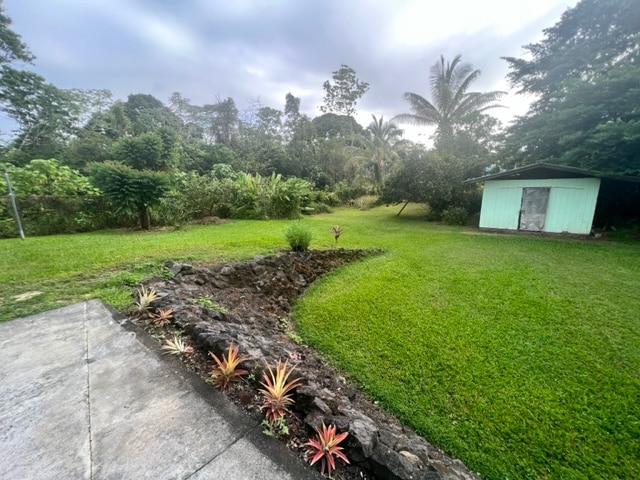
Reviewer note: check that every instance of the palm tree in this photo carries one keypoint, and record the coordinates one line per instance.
(375, 150)
(452, 105)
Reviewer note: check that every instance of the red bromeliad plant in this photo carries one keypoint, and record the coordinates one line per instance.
(325, 446)
(162, 317)
(276, 391)
(226, 371)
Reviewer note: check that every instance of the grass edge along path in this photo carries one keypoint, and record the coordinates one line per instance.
(108, 264)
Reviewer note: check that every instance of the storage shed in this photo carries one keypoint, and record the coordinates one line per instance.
(542, 198)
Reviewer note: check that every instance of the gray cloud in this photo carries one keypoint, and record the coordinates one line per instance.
(248, 49)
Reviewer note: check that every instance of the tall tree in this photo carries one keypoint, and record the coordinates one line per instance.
(452, 105)
(292, 107)
(300, 135)
(148, 151)
(375, 151)
(586, 76)
(45, 114)
(131, 191)
(269, 123)
(293, 117)
(220, 121)
(12, 48)
(343, 94)
(147, 114)
(90, 102)
(188, 114)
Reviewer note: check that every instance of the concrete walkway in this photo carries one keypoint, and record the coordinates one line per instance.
(82, 397)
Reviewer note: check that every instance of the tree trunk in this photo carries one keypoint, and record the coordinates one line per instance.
(403, 207)
(145, 219)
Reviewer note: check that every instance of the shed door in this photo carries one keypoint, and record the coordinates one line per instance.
(534, 208)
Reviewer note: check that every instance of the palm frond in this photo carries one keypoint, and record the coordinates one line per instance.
(451, 104)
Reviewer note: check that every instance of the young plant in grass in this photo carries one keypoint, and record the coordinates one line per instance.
(226, 371)
(275, 429)
(336, 231)
(324, 447)
(210, 304)
(299, 236)
(276, 391)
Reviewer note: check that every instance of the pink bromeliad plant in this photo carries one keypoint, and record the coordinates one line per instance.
(324, 448)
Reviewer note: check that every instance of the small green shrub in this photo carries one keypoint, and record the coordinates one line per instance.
(330, 199)
(298, 235)
(455, 216)
(278, 428)
(316, 208)
(210, 304)
(365, 202)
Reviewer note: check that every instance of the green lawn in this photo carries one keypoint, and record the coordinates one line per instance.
(519, 355)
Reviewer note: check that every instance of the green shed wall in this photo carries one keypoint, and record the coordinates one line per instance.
(572, 203)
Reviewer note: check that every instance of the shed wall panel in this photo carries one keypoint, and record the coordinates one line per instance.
(570, 209)
(500, 205)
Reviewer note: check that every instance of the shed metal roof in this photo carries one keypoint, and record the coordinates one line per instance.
(539, 171)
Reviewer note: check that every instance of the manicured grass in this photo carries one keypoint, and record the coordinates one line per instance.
(519, 355)
(69, 268)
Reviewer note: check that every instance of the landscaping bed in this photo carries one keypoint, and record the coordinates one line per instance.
(248, 304)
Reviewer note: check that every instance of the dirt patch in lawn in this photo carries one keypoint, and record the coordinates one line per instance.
(248, 304)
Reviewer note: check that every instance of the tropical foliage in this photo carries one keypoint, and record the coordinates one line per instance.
(585, 74)
(181, 162)
(376, 150)
(145, 297)
(131, 192)
(46, 177)
(177, 346)
(452, 105)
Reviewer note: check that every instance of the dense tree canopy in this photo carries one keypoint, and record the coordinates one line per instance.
(148, 151)
(586, 75)
(143, 153)
(434, 178)
(146, 114)
(46, 177)
(332, 125)
(12, 48)
(45, 114)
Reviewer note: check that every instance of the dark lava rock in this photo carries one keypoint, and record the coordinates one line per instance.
(247, 303)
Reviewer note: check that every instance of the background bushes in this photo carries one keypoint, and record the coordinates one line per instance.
(51, 214)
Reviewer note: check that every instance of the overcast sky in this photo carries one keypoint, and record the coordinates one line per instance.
(249, 49)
